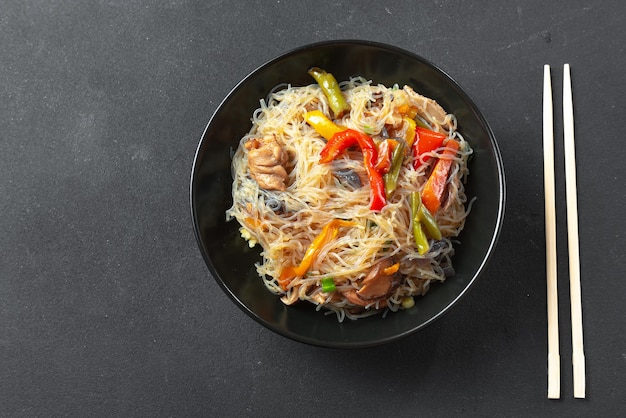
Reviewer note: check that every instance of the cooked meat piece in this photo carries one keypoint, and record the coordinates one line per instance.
(267, 162)
(430, 110)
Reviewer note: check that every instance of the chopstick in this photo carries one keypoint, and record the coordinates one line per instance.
(578, 355)
(554, 382)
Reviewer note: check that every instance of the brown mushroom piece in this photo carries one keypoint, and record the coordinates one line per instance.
(267, 162)
(378, 284)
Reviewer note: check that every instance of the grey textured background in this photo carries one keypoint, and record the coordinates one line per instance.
(106, 306)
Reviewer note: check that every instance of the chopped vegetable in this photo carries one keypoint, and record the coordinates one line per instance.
(343, 140)
(391, 178)
(420, 122)
(408, 110)
(322, 125)
(391, 269)
(428, 223)
(407, 302)
(435, 187)
(331, 90)
(329, 232)
(425, 141)
(328, 284)
(421, 241)
(385, 151)
(410, 130)
(348, 138)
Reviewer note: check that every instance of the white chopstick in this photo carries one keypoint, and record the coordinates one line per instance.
(578, 355)
(554, 371)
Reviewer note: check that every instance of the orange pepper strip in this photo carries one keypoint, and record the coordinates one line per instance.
(329, 232)
(435, 186)
(391, 269)
(425, 141)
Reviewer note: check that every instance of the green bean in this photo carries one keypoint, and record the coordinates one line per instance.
(421, 241)
(391, 177)
(429, 223)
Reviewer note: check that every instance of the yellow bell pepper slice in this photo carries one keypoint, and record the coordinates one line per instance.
(410, 131)
(322, 125)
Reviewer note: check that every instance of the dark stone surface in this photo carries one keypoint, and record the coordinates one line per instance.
(106, 306)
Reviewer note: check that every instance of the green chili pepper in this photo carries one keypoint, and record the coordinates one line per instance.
(421, 242)
(391, 177)
(331, 90)
(328, 284)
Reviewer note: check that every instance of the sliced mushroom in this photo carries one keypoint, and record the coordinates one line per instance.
(379, 283)
(354, 298)
(448, 268)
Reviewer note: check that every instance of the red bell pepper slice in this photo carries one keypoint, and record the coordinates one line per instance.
(425, 141)
(348, 138)
(385, 153)
(339, 142)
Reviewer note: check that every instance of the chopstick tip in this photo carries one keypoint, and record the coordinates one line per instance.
(546, 72)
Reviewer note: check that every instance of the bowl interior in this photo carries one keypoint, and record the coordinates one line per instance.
(231, 261)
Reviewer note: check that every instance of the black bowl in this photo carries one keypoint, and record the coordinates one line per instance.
(231, 261)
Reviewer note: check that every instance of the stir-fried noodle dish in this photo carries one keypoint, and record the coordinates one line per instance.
(354, 191)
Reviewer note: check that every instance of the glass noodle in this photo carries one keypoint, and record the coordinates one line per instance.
(286, 223)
